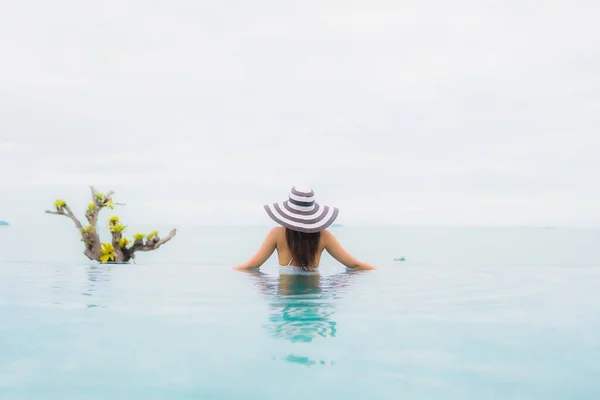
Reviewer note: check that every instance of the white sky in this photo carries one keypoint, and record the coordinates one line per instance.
(413, 113)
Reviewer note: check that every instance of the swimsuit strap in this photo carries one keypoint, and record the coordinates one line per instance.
(290, 263)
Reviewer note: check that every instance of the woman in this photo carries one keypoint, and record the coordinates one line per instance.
(302, 237)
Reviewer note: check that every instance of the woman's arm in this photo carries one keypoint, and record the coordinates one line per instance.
(264, 252)
(336, 250)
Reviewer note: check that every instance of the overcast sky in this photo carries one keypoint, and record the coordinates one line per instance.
(399, 112)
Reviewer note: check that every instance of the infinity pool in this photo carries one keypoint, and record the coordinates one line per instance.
(184, 330)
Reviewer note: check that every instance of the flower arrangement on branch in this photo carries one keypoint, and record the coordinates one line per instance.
(121, 249)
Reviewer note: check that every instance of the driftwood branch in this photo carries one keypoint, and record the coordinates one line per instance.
(95, 250)
(92, 215)
(153, 243)
(68, 213)
(90, 239)
(73, 217)
(56, 213)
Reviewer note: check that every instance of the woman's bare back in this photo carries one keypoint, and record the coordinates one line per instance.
(276, 240)
(284, 253)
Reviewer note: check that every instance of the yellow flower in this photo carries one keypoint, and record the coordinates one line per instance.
(117, 227)
(139, 236)
(104, 259)
(91, 206)
(99, 196)
(107, 248)
(113, 220)
(110, 204)
(60, 203)
(108, 252)
(123, 242)
(152, 234)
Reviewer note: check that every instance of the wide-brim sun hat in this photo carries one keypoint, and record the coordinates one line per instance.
(301, 212)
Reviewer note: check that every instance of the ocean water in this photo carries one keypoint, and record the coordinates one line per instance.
(471, 314)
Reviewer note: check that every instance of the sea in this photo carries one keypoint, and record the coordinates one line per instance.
(450, 313)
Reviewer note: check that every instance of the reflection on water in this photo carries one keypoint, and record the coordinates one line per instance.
(96, 275)
(305, 360)
(94, 282)
(302, 307)
(301, 310)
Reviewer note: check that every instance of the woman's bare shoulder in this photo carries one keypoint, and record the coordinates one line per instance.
(326, 234)
(326, 237)
(277, 233)
(278, 230)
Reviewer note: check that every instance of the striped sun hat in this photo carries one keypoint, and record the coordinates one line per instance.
(301, 213)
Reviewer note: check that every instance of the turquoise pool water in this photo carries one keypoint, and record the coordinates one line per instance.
(470, 314)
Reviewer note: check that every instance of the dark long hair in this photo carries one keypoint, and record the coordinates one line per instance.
(304, 247)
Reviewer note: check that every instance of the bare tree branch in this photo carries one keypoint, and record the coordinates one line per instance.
(68, 214)
(94, 198)
(151, 245)
(93, 218)
(73, 217)
(56, 213)
(119, 256)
